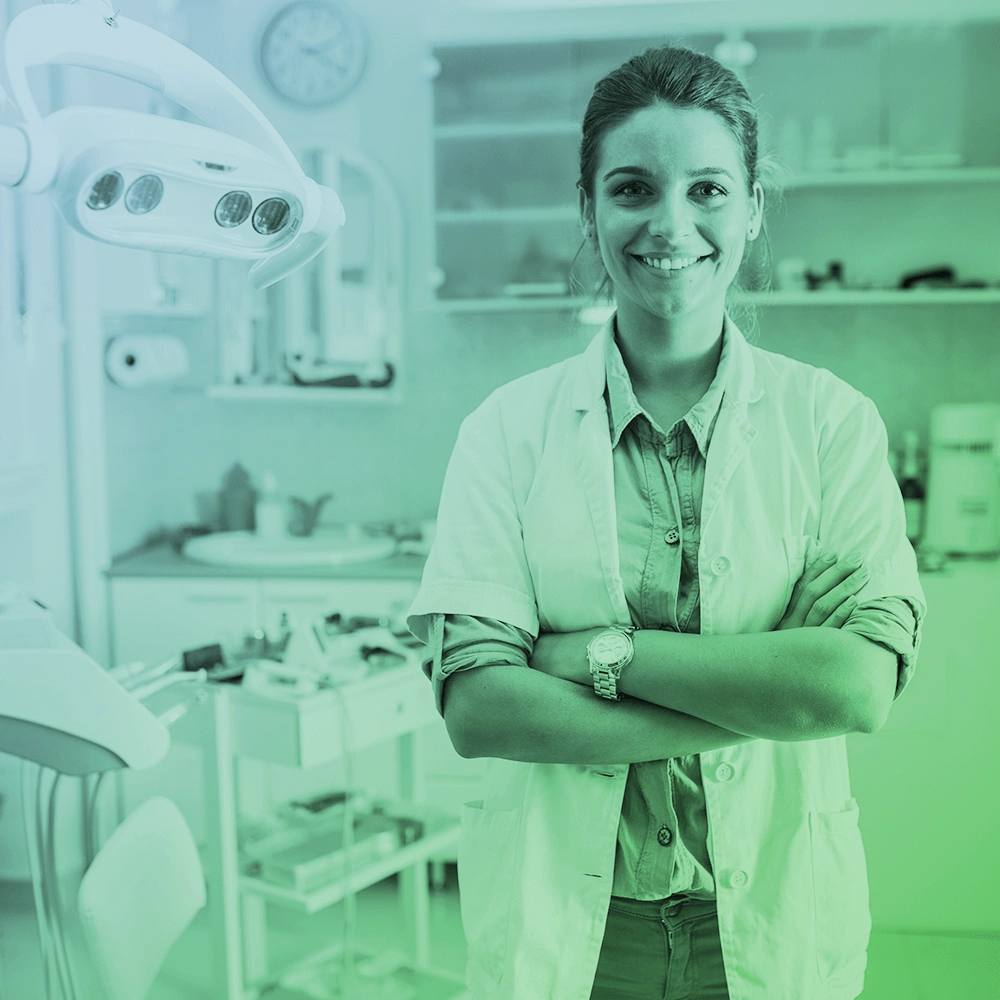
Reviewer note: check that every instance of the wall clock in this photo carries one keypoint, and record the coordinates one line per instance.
(313, 52)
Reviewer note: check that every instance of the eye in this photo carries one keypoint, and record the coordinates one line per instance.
(630, 189)
(711, 189)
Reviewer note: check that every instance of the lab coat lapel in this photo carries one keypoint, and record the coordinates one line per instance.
(595, 465)
(733, 432)
(596, 470)
(730, 441)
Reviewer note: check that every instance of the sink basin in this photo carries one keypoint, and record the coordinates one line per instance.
(324, 547)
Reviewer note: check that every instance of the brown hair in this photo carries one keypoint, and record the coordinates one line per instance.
(686, 79)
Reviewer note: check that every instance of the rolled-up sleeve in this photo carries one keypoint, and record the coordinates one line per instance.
(862, 511)
(463, 642)
(892, 622)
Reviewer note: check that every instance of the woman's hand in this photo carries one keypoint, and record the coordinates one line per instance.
(564, 654)
(824, 594)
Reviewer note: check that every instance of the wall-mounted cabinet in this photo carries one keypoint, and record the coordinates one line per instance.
(871, 117)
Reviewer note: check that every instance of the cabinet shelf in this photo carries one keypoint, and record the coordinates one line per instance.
(443, 833)
(880, 297)
(300, 394)
(875, 297)
(864, 178)
(498, 130)
(860, 178)
(550, 213)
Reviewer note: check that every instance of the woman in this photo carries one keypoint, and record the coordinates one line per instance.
(667, 810)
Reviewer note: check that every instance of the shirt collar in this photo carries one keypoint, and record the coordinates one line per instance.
(624, 407)
(739, 377)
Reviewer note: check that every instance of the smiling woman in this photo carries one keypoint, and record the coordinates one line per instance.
(625, 614)
(675, 155)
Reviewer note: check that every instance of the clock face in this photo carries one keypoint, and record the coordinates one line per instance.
(610, 648)
(313, 52)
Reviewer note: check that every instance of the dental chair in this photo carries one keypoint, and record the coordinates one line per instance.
(139, 895)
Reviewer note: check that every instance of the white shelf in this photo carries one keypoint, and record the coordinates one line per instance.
(495, 130)
(842, 178)
(875, 297)
(526, 304)
(301, 393)
(444, 836)
(880, 297)
(862, 178)
(549, 213)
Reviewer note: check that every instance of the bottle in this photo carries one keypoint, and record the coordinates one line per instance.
(237, 500)
(270, 510)
(911, 487)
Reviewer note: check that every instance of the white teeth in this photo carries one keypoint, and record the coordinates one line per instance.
(665, 264)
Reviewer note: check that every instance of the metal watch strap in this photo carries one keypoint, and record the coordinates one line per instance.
(606, 685)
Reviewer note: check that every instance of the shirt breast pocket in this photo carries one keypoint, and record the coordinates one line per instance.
(797, 549)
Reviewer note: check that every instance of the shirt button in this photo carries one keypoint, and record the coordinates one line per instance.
(672, 537)
(725, 772)
(721, 566)
(738, 879)
(664, 836)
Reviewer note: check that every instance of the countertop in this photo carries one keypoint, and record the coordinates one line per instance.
(163, 561)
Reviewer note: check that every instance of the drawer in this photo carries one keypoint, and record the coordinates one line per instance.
(308, 731)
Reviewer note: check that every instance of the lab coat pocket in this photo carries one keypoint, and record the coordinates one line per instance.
(797, 549)
(840, 882)
(487, 853)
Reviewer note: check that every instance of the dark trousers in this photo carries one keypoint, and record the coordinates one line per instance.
(661, 950)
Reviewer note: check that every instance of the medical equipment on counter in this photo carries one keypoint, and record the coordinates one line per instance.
(963, 489)
(318, 656)
(233, 189)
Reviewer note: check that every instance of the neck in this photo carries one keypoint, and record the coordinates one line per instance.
(677, 354)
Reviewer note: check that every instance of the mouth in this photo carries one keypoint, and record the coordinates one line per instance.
(667, 266)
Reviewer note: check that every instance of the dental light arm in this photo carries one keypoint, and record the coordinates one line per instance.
(229, 188)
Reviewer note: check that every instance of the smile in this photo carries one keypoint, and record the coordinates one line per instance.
(666, 264)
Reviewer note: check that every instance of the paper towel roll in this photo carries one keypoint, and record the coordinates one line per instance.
(138, 359)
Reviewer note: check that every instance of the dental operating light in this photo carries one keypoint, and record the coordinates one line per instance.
(230, 188)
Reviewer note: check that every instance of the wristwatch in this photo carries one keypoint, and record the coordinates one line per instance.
(607, 653)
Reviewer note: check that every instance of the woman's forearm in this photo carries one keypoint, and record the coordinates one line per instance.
(786, 685)
(789, 685)
(521, 714)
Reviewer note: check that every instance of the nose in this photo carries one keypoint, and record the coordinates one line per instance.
(672, 217)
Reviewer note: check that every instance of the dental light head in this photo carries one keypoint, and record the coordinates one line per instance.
(229, 188)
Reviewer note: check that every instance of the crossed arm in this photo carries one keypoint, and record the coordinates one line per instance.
(685, 693)
(803, 683)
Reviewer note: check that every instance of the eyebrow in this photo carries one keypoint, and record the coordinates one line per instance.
(643, 172)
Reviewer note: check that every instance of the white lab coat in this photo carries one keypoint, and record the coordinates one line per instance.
(526, 533)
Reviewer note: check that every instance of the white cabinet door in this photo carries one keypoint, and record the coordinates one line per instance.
(155, 619)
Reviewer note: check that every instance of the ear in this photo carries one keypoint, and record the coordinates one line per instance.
(756, 217)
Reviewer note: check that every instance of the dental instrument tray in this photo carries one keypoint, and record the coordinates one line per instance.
(305, 858)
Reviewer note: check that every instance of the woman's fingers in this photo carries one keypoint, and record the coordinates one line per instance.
(834, 591)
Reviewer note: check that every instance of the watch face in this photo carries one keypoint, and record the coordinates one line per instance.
(610, 648)
(313, 52)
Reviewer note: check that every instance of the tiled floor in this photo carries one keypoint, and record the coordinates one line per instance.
(900, 966)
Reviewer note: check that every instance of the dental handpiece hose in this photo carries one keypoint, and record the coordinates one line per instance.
(13, 155)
